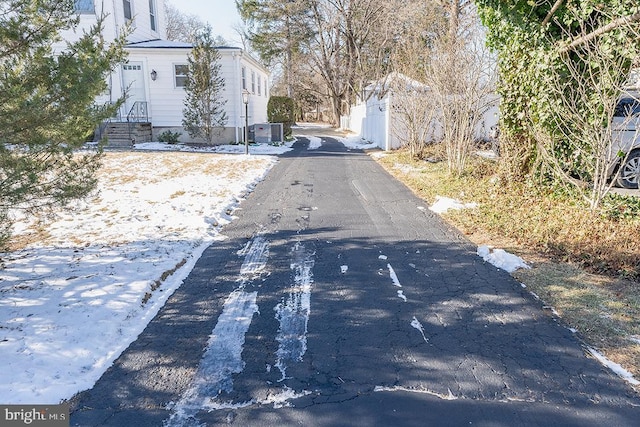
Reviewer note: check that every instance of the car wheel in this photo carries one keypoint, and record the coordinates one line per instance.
(629, 171)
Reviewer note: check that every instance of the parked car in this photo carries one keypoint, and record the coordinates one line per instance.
(626, 126)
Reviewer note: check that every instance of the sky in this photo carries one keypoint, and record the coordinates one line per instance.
(221, 14)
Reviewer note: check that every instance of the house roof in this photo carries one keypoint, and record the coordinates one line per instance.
(160, 44)
(169, 44)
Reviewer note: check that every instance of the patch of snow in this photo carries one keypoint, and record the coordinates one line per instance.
(402, 296)
(617, 369)
(394, 276)
(281, 400)
(314, 142)
(382, 257)
(256, 255)
(221, 359)
(448, 396)
(355, 142)
(114, 260)
(344, 269)
(501, 259)
(223, 355)
(255, 149)
(443, 204)
(216, 406)
(415, 323)
(378, 154)
(293, 314)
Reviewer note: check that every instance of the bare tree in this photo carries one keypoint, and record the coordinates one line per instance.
(462, 76)
(414, 28)
(414, 112)
(350, 47)
(186, 27)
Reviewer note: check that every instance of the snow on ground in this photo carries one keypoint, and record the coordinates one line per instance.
(357, 143)
(256, 149)
(617, 369)
(223, 356)
(93, 277)
(314, 142)
(74, 299)
(443, 204)
(501, 259)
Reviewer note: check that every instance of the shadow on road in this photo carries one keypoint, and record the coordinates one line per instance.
(407, 325)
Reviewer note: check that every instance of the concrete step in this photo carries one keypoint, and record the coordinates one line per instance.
(124, 134)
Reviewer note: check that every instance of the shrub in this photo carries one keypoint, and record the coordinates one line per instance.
(281, 109)
(169, 137)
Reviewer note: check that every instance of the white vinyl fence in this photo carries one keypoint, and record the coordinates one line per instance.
(375, 121)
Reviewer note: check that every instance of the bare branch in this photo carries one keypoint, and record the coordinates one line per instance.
(553, 10)
(624, 20)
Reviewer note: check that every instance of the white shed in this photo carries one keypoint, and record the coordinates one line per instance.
(397, 100)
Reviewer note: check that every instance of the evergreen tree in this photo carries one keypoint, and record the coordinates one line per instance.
(47, 107)
(204, 113)
(277, 29)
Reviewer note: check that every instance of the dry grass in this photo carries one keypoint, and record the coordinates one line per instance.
(585, 265)
(129, 173)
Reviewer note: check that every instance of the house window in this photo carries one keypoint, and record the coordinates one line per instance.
(253, 82)
(130, 67)
(259, 85)
(180, 74)
(244, 78)
(128, 14)
(152, 14)
(84, 6)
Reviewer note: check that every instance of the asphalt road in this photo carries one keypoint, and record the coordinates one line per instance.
(339, 299)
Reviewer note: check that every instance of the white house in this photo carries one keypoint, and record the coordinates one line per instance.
(154, 75)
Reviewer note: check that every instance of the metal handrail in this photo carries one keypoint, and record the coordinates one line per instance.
(139, 112)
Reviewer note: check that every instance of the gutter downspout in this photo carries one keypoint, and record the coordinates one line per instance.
(387, 123)
(116, 29)
(237, 93)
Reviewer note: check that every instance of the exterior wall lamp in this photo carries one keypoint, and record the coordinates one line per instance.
(154, 75)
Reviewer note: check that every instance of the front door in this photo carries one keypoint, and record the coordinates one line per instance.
(133, 81)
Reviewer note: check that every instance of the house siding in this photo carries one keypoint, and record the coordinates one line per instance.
(115, 21)
(142, 21)
(147, 47)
